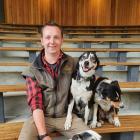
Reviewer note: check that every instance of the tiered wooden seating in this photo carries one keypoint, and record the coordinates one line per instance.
(101, 29)
(101, 40)
(10, 131)
(18, 27)
(18, 32)
(66, 49)
(104, 33)
(22, 87)
(101, 64)
(130, 123)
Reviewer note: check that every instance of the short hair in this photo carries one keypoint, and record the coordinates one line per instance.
(51, 23)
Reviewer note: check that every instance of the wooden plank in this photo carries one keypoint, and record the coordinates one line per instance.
(18, 27)
(129, 84)
(20, 48)
(12, 38)
(101, 64)
(103, 33)
(18, 32)
(101, 40)
(11, 88)
(15, 63)
(65, 49)
(129, 123)
(22, 87)
(100, 29)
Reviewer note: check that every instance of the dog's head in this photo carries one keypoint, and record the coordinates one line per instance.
(87, 64)
(110, 95)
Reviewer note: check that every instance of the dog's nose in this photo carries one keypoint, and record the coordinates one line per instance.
(121, 105)
(86, 63)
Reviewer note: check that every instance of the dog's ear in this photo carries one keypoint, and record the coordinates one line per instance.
(117, 86)
(76, 69)
(97, 61)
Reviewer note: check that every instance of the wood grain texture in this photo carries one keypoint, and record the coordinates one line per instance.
(73, 12)
(10, 131)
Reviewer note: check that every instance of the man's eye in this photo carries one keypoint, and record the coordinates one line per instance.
(47, 37)
(56, 37)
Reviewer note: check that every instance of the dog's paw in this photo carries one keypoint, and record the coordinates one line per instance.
(68, 123)
(99, 124)
(117, 122)
(93, 124)
(110, 120)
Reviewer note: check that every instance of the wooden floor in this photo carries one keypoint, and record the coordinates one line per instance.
(10, 131)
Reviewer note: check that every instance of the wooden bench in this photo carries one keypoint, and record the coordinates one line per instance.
(18, 27)
(104, 33)
(101, 64)
(129, 123)
(101, 29)
(22, 87)
(66, 49)
(18, 32)
(76, 40)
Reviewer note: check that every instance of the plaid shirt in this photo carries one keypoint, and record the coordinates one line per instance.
(34, 92)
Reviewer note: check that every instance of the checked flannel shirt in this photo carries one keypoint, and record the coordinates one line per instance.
(34, 94)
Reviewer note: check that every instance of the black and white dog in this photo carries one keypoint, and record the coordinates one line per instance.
(107, 102)
(82, 98)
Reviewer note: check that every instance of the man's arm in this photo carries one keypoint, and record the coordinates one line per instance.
(34, 98)
(39, 119)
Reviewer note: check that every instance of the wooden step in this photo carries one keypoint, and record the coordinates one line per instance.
(66, 49)
(101, 40)
(22, 87)
(103, 33)
(101, 64)
(129, 123)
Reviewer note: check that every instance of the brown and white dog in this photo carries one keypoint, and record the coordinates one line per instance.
(107, 102)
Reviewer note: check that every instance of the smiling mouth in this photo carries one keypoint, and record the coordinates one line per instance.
(86, 69)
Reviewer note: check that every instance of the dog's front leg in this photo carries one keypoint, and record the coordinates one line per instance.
(68, 121)
(94, 119)
(87, 110)
(116, 119)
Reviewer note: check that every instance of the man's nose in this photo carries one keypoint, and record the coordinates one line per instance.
(52, 40)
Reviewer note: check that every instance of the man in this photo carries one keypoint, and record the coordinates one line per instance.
(48, 81)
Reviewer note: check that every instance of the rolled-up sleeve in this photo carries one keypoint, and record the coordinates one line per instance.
(34, 94)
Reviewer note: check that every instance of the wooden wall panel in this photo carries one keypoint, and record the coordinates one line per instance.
(73, 12)
(27, 11)
(127, 12)
(82, 12)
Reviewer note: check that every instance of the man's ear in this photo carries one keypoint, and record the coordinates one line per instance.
(41, 40)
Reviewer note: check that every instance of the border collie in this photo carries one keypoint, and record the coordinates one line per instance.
(107, 102)
(82, 98)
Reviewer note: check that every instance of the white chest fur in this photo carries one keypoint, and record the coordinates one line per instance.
(79, 90)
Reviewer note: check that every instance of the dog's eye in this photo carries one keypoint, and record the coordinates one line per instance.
(83, 57)
(93, 59)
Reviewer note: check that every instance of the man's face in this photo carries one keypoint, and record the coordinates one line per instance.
(51, 39)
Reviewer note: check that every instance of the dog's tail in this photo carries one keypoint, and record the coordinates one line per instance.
(87, 135)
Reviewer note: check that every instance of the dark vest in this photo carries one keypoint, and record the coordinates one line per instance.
(55, 92)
